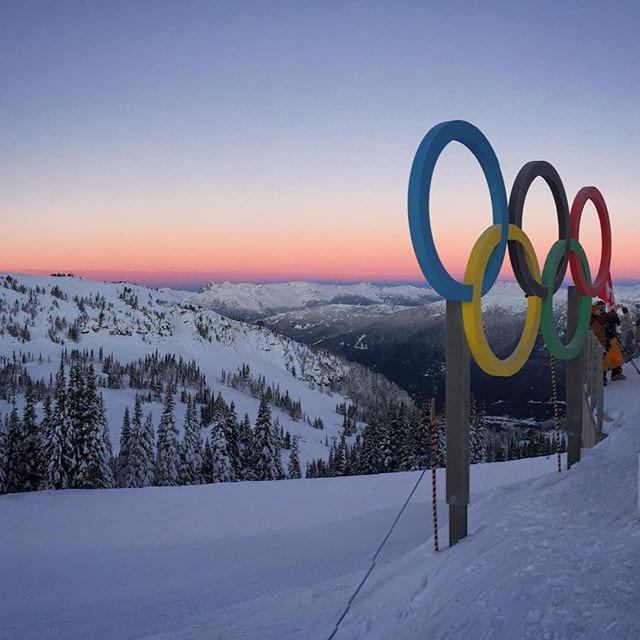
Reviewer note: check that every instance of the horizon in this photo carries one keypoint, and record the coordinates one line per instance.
(179, 281)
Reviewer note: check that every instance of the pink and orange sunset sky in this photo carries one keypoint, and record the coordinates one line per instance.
(181, 142)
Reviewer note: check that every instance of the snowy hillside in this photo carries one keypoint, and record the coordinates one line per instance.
(41, 316)
(548, 556)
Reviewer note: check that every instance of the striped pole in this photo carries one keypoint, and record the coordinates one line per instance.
(556, 417)
(434, 452)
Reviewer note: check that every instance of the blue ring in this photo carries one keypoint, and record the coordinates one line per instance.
(418, 199)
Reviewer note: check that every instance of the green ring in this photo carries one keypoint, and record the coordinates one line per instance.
(572, 349)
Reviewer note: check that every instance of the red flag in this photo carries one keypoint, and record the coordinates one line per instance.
(607, 293)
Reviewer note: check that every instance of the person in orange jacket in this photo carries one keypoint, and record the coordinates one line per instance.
(604, 325)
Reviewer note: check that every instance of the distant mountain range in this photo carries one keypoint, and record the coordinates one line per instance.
(399, 332)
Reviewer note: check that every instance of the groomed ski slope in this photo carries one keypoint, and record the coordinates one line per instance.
(549, 555)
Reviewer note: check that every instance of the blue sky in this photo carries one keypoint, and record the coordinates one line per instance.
(278, 123)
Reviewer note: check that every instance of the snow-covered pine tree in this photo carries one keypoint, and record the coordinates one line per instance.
(477, 433)
(135, 434)
(93, 469)
(191, 447)
(221, 468)
(232, 436)
(75, 408)
(31, 468)
(267, 464)
(110, 471)
(220, 449)
(340, 460)
(167, 458)
(207, 463)
(293, 468)
(124, 471)
(57, 444)
(441, 442)
(386, 450)
(141, 456)
(14, 474)
(370, 461)
(246, 449)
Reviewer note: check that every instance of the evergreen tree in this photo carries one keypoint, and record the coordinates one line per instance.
(293, 469)
(500, 455)
(207, 463)
(222, 462)
(191, 448)
(513, 448)
(386, 451)
(14, 476)
(110, 471)
(31, 467)
(370, 460)
(167, 458)
(75, 410)
(142, 454)
(124, 472)
(134, 439)
(441, 443)
(58, 444)
(341, 460)
(222, 470)
(267, 464)
(246, 449)
(232, 436)
(93, 468)
(477, 434)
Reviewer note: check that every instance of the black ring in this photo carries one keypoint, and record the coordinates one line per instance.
(526, 175)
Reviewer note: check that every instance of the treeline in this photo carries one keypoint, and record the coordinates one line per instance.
(69, 448)
(399, 439)
(243, 380)
(233, 449)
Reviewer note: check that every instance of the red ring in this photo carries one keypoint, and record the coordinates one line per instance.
(584, 287)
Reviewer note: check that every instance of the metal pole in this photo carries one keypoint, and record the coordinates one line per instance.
(574, 383)
(457, 420)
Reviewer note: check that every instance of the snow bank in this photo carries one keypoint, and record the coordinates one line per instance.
(548, 556)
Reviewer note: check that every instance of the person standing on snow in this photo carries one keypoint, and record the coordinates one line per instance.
(605, 327)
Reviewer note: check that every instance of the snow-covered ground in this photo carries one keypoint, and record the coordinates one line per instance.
(548, 556)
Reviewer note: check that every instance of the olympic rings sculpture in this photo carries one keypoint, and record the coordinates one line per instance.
(488, 253)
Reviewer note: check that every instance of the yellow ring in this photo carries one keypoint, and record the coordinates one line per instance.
(472, 311)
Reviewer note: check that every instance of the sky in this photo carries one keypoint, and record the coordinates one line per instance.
(257, 141)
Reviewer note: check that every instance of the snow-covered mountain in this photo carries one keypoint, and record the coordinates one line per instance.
(399, 332)
(42, 316)
(253, 301)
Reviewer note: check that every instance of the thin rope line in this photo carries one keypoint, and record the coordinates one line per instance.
(373, 563)
(554, 389)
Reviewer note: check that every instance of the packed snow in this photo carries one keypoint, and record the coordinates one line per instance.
(549, 555)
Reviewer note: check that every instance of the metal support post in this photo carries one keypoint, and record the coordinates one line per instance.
(457, 403)
(574, 384)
